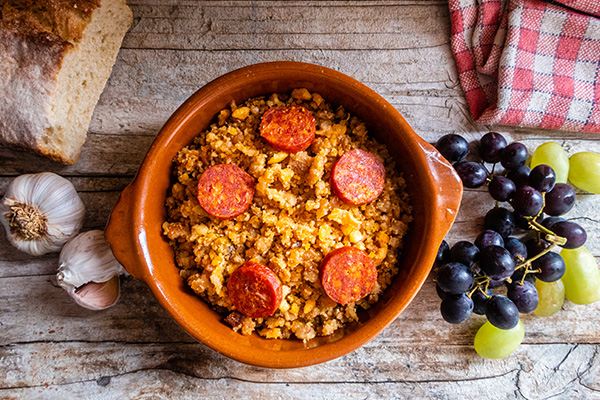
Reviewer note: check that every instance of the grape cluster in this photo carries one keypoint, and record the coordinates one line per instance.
(469, 275)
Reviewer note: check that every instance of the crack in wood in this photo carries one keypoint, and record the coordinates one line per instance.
(290, 49)
(78, 341)
(72, 176)
(193, 342)
(136, 135)
(24, 276)
(236, 379)
(566, 387)
(284, 4)
(518, 390)
(585, 219)
(557, 367)
(588, 367)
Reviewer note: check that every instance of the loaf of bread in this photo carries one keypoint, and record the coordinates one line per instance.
(55, 59)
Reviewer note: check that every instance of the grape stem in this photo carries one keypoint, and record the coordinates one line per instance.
(532, 259)
(554, 241)
(553, 238)
(480, 280)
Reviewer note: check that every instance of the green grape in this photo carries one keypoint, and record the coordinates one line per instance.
(551, 295)
(582, 277)
(584, 171)
(552, 154)
(491, 342)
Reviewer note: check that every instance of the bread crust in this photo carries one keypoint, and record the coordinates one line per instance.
(66, 19)
(35, 37)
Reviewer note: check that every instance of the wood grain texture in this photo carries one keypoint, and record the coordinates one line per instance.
(166, 371)
(52, 349)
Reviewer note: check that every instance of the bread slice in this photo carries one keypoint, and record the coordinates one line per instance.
(55, 59)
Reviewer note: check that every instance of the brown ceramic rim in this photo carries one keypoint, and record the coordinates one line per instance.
(134, 229)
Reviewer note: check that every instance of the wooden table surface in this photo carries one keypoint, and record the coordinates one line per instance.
(52, 349)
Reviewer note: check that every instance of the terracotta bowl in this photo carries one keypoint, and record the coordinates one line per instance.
(134, 229)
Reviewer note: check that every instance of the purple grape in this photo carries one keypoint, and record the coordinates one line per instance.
(490, 146)
(519, 176)
(524, 296)
(515, 247)
(454, 278)
(527, 201)
(480, 301)
(489, 238)
(550, 221)
(456, 308)
(501, 188)
(495, 283)
(502, 312)
(535, 246)
(513, 156)
(551, 265)
(443, 255)
(542, 178)
(464, 252)
(520, 221)
(501, 220)
(472, 174)
(496, 262)
(453, 147)
(574, 233)
(560, 200)
(441, 294)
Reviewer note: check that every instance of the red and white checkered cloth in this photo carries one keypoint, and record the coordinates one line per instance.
(529, 63)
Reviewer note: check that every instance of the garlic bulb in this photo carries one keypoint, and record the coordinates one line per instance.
(89, 272)
(41, 212)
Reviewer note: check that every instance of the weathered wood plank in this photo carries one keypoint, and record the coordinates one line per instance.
(104, 155)
(46, 312)
(285, 25)
(44, 370)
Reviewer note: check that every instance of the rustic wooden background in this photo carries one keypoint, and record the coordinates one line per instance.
(52, 349)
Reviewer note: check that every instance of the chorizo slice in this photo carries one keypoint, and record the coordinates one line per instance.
(348, 274)
(289, 128)
(358, 177)
(225, 191)
(255, 290)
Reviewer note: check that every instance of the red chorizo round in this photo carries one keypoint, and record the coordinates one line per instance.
(358, 177)
(290, 128)
(348, 274)
(225, 191)
(255, 290)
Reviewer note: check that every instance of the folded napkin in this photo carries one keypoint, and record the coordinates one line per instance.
(529, 63)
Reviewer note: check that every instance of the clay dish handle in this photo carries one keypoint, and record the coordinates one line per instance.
(120, 234)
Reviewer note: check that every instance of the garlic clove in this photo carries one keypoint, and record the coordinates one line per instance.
(98, 296)
(89, 272)
(87, 258)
